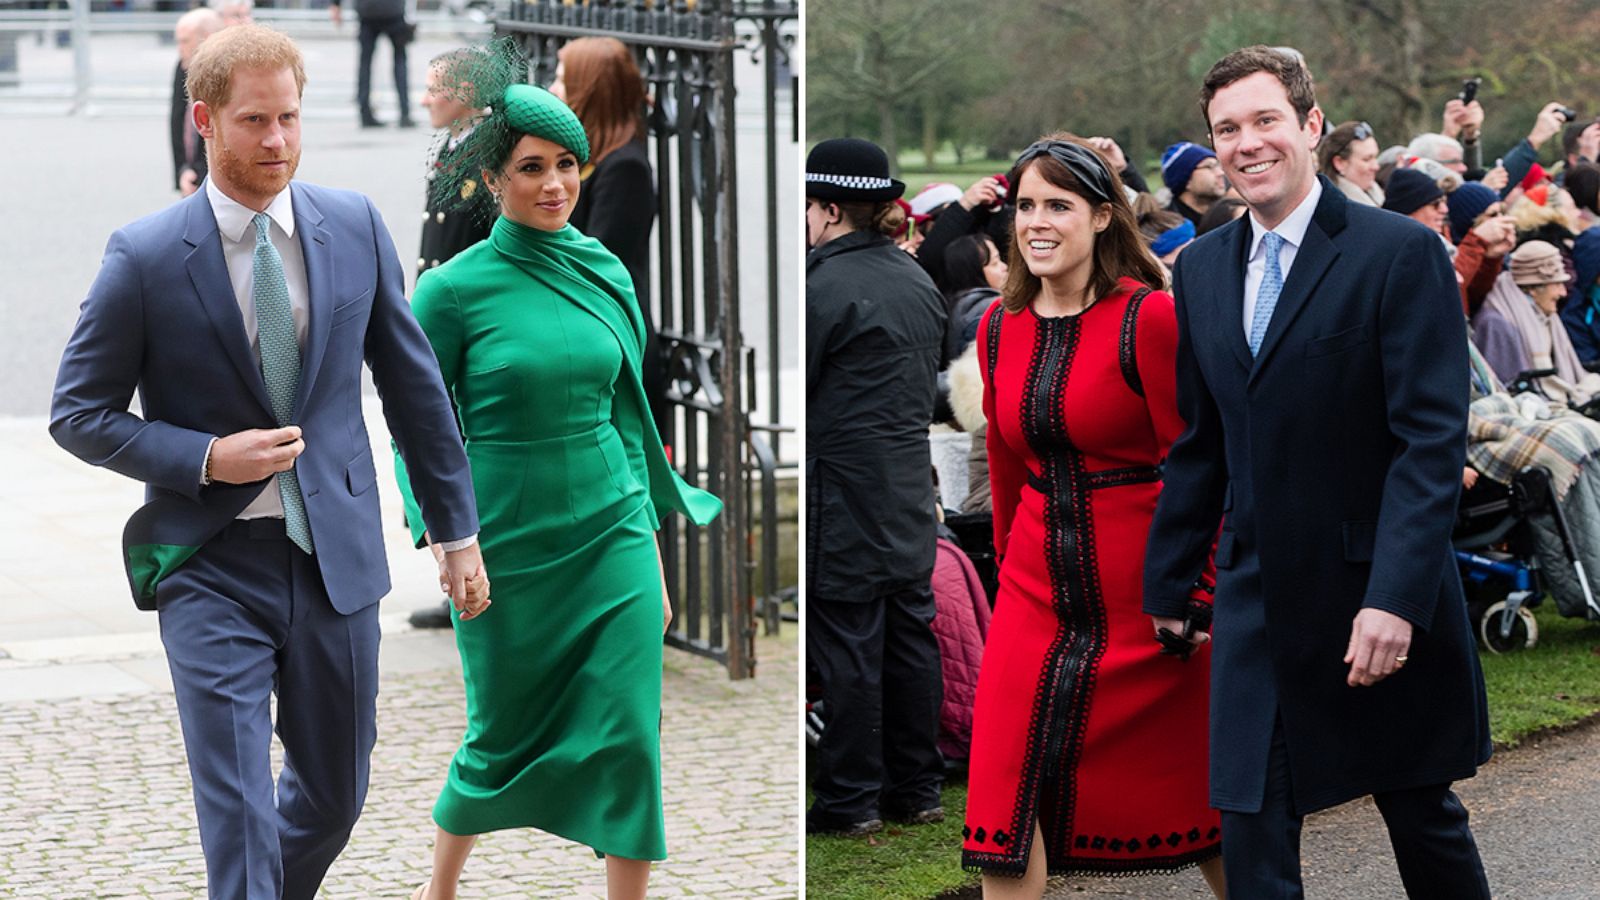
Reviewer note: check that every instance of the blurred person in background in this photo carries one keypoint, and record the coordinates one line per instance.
(235, 12)
(379, 18)
(1193, 175)
(188, 149)
(1348, 155)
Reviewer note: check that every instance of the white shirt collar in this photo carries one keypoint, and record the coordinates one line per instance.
(233, 217)
(1293, 227)
(456, 139)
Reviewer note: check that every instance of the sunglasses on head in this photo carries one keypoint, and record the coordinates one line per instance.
(1362, 131)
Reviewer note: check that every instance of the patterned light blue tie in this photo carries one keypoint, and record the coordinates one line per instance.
(280, 364)
(1267, 294)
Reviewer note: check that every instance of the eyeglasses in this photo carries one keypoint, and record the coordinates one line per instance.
(1362, 131)
(1209, 164)
(1440, 203)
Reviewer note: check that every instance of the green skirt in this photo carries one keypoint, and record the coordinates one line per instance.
(563, 673)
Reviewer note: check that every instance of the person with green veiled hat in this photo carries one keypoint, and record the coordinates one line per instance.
(539, 340)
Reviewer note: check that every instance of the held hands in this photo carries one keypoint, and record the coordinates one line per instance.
(1379, 642)
(462, 578)
(1172, 634)
(256, 454)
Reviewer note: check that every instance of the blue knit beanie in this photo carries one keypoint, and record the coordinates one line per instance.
(1178, 162)
(1467, 203)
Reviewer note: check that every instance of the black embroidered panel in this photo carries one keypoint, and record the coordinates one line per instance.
(996, 316)
(1056, 727)
(1127, 355)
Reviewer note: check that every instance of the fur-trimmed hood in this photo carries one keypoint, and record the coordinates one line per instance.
(966, 390)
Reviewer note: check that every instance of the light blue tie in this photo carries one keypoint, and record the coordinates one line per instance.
(1267, 294)
(280, 364)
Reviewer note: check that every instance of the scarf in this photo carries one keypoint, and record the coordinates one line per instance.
(583, 271)
(1545, 338)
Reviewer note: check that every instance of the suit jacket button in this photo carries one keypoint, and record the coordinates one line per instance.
(424, 215)
(434, 264)
(439, 218)
(422, 263)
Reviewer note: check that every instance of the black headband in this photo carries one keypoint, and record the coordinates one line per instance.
(1084, 164)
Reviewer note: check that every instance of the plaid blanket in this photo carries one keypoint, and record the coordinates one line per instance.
(1501, 441)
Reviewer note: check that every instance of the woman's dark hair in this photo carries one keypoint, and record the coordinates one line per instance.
(885, 217)
(1156, 222)
(1119, 251)
(1337, 143)
(964, 260)
(1221, 213)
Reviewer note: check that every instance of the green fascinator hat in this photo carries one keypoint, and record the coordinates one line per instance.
(533, 110)
(491, 78)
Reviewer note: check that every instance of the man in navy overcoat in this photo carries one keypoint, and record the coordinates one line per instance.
(1322, 368)
(241, 315)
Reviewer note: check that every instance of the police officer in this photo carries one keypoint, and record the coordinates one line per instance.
(874, 334)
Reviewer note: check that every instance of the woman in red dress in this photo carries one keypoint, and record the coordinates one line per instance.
(1089, 744)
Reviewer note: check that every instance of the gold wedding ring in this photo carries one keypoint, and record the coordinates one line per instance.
(1400, 660)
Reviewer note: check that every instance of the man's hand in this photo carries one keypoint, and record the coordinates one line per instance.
(1547, 125)
(983, 192)
(1499, 234)
(1378, 640)
(1111, 151)
(188, 182)
(463, 579)
(1176, 626)
(1496, 178)
(337, 15)
(1462, 121)
(254, 455)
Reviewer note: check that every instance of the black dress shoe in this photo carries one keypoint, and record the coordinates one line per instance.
(817, 824)
(370, 121)
(432, 616)
(926, 816)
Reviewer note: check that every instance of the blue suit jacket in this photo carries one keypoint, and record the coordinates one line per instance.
(161, 318)
(1332, 461)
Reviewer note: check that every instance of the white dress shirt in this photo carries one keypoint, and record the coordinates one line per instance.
(236, 226)
(1293, 231)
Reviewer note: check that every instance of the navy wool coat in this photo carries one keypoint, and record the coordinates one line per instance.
(1332, 462)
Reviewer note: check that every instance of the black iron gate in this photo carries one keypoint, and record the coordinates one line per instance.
(687, 53)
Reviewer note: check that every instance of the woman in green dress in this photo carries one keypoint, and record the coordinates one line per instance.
(538, 338)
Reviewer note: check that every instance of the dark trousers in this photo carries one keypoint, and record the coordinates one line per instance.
(878, 667)
(245, 617)
(395, 29)
(1433, 845)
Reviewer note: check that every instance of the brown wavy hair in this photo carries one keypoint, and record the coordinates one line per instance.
(607, 92)
(885, 217)
(1119, 251)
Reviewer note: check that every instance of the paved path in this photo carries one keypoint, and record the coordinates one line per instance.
(94, 791)
(1533, 813)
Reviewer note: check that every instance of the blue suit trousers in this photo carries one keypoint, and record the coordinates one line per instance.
(246, 617)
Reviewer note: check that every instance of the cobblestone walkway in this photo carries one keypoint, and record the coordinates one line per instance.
(95, 802)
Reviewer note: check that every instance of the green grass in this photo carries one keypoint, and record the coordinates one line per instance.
(1554, 685)
(898, 863)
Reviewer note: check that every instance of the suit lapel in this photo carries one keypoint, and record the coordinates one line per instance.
(1317, 252)
(209, 272)
(315, 245)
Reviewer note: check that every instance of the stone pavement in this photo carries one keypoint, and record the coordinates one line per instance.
(94, 791)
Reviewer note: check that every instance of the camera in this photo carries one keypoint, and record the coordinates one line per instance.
(1469, 89)
(1567, 113)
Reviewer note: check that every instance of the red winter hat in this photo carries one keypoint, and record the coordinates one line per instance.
(1534, 176)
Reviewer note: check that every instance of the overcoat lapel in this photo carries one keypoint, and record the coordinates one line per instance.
(1228, 289)
(1316, 254)
(209, 272)
(315, 245)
